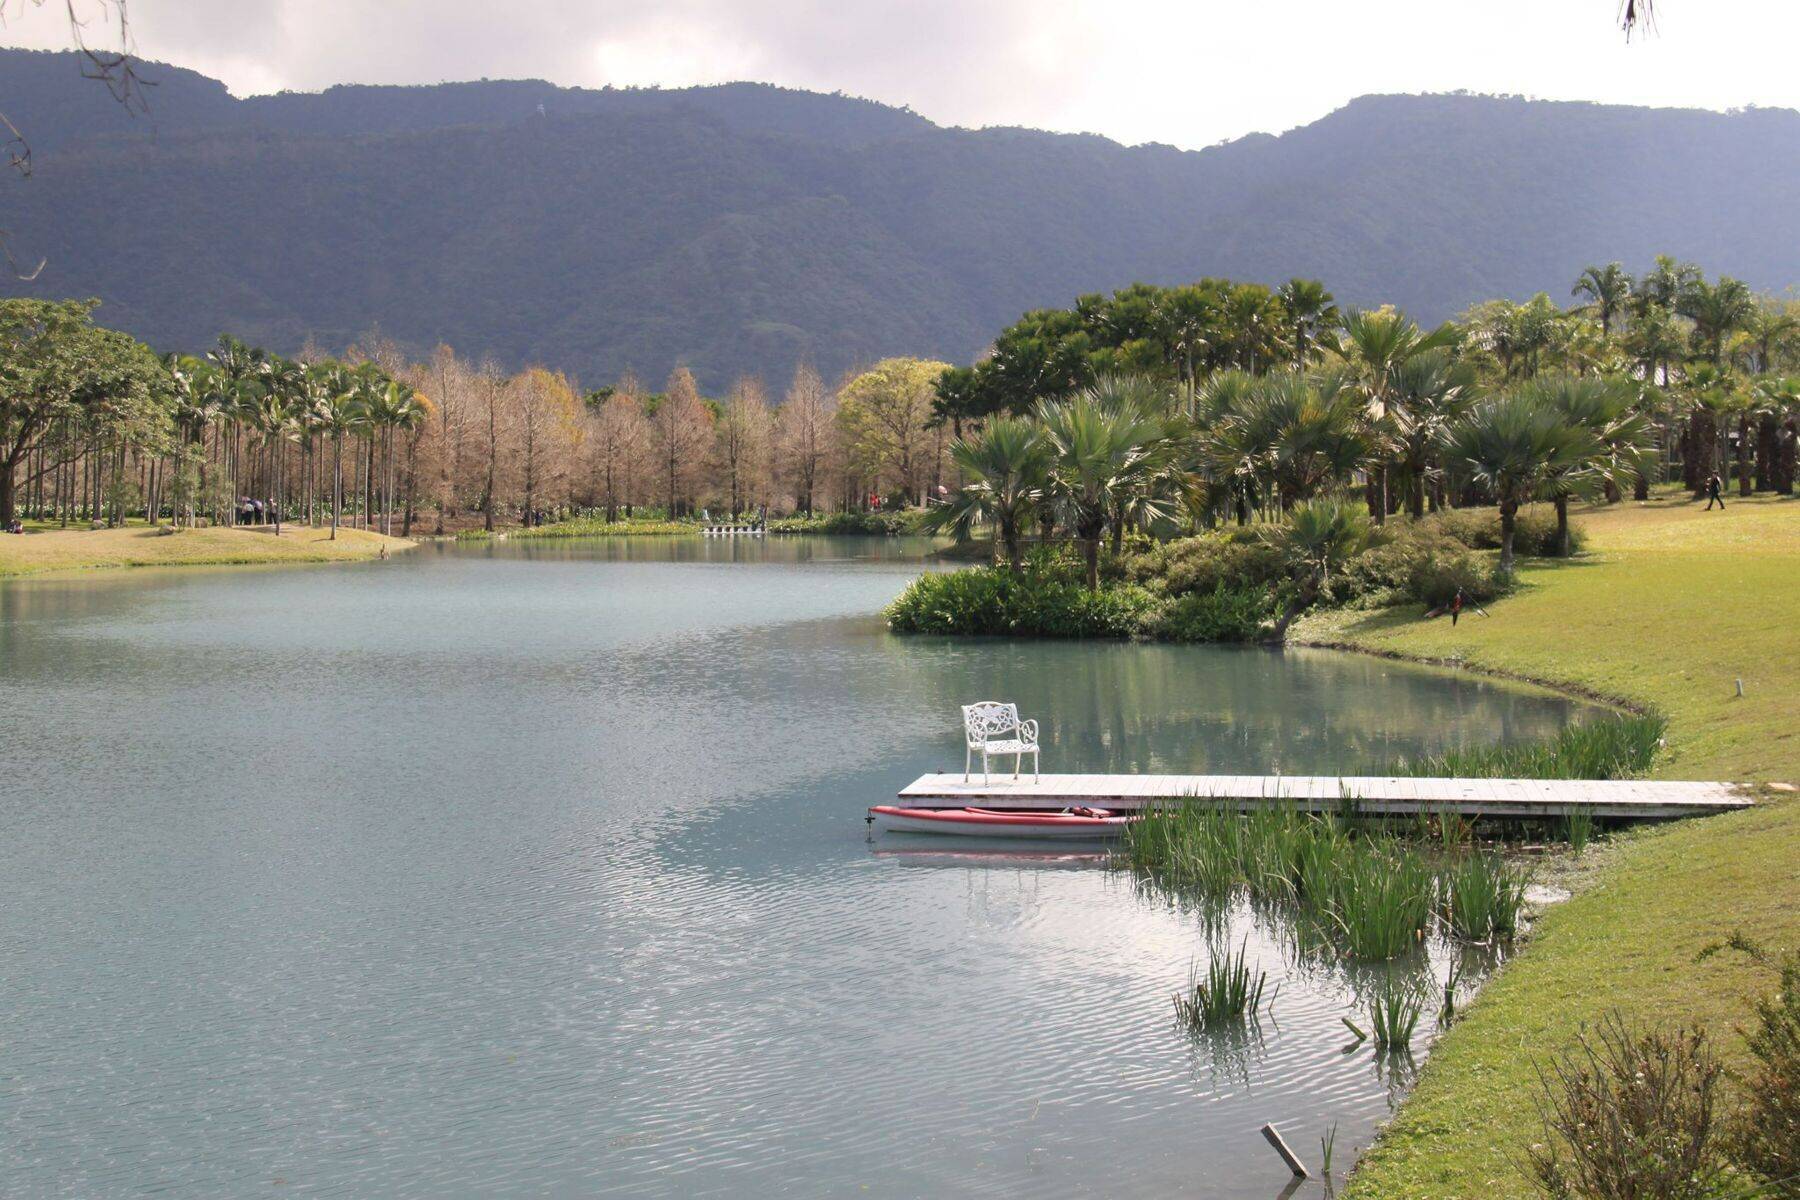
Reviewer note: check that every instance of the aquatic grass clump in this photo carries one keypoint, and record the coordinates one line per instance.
(1382, 903)
(1228, 993)
(1578, 829)
(1393, 1016)
(1482, 897)
(1614, 747)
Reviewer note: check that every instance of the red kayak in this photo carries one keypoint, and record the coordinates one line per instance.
(988, 822)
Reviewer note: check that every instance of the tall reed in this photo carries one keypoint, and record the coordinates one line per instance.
(1612, 747)
(1393, 1015)
(1482, 897)
(1228, 992)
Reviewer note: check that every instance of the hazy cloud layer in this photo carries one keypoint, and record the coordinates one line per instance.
(1189, 72)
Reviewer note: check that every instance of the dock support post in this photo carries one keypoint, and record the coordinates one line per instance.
(1287, 1156)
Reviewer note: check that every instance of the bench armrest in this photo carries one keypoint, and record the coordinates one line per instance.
(1028, 732)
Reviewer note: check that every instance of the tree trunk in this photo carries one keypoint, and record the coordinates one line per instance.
(1416, 501)
(1090, 550)
(337, 482)
(1562, 527)
(1745, 485)
(1768, 446)
(1509, 513)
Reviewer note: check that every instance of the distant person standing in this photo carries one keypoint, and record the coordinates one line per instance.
(1456, 606)
(1715, 491)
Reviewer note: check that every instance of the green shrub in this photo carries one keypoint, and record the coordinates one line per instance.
(1203, 564)
(1225, 614)
(998, 602)
(1414, 561)
(1534, 531)
(599, 526)
(878, 524)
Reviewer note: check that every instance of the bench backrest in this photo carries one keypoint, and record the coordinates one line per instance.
(989, 719)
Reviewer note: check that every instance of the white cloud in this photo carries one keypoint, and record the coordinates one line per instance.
(1188, 72)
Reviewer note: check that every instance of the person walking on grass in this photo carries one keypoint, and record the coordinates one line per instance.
(1715, 492)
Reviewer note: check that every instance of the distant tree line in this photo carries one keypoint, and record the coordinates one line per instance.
(1263, 397)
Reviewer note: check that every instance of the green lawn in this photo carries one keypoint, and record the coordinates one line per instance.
(1670, 607)
(44, 549)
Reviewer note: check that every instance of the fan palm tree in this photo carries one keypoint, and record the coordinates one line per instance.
(1608, 289)
(1710, 395)
(1309, 310)
(1509, 445)
(1609, 436)
(1318, 537)
(1106, 444)
(1430, 391)
(1007, 468)
(1226, 472)
(1776, 399)
(1374, 345)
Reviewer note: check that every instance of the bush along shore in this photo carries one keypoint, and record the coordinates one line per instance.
(1230, 585)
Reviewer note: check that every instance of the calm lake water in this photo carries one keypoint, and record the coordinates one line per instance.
(522, 870)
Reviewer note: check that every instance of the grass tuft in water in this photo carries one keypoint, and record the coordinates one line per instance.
(1393, 1016)
(1227, 993)
(1616, 747)
(1382, 902)
(1482, 897)
(1578, 829)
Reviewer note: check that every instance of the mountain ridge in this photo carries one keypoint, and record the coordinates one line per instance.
(744, 228)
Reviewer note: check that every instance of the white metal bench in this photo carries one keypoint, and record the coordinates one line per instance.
(992, 727)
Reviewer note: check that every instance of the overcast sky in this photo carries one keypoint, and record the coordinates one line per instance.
(1186, 72)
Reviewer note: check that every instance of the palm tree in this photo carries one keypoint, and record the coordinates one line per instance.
(1776, 398)
(388, 404)
(1608, 437)
(1607, 289)
(1666, 285)
(1430, 390)
(1309, 310)
(1227, 472)
(1509, 445)
(1106, 444)
(1375, 344)
(1318, 537)
(1718, 310)
(340, 411)
(1711, 395)
(1769, 327)
(1007, 467)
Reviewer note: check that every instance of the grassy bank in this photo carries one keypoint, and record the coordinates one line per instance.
(38, 551)
(1669, 609)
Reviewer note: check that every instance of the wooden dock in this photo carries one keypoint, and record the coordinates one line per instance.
(745, 530)
(1373, 795)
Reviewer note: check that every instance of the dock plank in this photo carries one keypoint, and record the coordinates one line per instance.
(1649, 799)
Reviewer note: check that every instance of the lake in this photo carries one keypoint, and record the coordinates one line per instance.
(524, 869)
